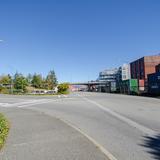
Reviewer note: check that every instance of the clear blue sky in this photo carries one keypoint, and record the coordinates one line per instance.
(78, 38)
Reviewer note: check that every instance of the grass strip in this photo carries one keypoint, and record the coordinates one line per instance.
(4, 129)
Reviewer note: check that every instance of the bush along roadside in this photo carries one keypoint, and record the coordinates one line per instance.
(63, 88)
(4, 129)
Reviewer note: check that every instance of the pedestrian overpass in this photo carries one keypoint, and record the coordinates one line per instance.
(92, 85)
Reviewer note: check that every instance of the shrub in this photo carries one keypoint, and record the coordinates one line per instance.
(4, 128)
(63, 88)
(4, 90)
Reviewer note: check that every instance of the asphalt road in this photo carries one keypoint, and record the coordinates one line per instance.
(121, 127)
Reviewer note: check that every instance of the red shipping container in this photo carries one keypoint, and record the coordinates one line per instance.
(141, 82)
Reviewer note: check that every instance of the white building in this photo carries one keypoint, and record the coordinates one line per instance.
(108, 75)
(126, 74)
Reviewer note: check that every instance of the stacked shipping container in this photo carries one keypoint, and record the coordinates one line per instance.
(141, 68)
(154, 82)
(158, 68)
(129, 86)
(132, 78)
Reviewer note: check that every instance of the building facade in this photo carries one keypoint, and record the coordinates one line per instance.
(126, 74)
(109, 76)
(141, 68)
(144, 66)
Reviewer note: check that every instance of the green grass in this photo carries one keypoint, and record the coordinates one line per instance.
(4, 129)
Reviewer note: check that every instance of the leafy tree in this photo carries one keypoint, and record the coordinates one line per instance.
(29, 78)
(44, 84)
(5, 79)
(37, 81)
(63, 88)
(51, 80)
(20, 82)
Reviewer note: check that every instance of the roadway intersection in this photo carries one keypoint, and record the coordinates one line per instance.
(82, 126)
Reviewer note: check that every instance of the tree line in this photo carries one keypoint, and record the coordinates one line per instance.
(19, 83)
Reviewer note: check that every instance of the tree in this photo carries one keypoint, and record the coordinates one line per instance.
(29, 78)
(44, 83)
(5, 84)
(5, 79)
(37, 81)
(63, 88)
(51, 80)
(20, 82)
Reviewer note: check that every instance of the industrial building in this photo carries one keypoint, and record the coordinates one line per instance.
(141, 76)
(141, 68)
(132, 78)
(126, 85)
(109, 76)
(126, 74)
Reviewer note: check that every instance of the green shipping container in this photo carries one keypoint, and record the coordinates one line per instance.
(133, 85)
(130, 86)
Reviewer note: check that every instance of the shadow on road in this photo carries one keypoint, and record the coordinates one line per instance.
(153, 145)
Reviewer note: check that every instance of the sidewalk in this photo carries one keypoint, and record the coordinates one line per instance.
(35, 136)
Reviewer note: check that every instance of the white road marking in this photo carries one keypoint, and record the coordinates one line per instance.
(130, 122)
(4, 104)
(32, 102)
(20, 103)
(35, 103)
(9, 98)
(43, 102)
(101, 148)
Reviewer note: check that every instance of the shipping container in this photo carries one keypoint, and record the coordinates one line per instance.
(144, 66)
(140, 68)
(129, 86)
(133, 86)
(158, 68)
(141, 84)
(154, 83)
